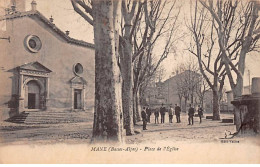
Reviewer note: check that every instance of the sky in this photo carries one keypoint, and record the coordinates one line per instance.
(67, 19)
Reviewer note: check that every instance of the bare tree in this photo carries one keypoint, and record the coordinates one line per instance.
(108, 122)
(157, 22)
(181, 89)
(145, 85)
(203, 47)
(131, 12)
(237, 26)
(187, 80)
(241, 21)
(201, 90)
(129, 15)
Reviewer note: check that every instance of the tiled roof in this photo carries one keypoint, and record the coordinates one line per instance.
(49, 23)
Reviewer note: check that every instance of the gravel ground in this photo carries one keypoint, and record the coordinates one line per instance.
(207, 131)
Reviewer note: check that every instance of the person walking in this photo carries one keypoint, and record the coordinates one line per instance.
(162, 112)
(178, 113)
(200, 112)
(148, 112)
(191, 114)
(170, 114)
(156, 114)
(144, 118)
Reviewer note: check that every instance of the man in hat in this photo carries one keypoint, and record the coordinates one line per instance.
(191, 114)
(148, 113)
(170, 114)
(156, 115)
(178, 113)
(162, 112)
(200, 112)
(144, 118)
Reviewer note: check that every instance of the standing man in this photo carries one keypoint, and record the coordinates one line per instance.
(162, 112)
(148, 112)
(178, 113)
(191, 114)
(144, 118)
(200, 112)
(156, 114)
(170, 114)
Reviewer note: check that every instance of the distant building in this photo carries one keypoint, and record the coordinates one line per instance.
(167, 92)
(41, 67)
(153, 94)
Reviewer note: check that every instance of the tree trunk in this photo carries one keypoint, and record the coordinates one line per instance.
(138, 106)
(127, 93)
(202, 103)
(216, 115)
(180, 100)
(108, 118)
(134, 108)
(136, 116)
(237, 91)
(191, 98)
(185, 104)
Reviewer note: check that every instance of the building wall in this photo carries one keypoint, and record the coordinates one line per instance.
(246, 91)
(56, 54)
(169, 91)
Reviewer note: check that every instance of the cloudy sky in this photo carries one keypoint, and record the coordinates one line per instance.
(66, 19)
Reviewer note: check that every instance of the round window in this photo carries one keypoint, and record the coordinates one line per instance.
(33, 43)
(78, 69)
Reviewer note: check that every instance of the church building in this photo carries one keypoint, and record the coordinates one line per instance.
(41, 67)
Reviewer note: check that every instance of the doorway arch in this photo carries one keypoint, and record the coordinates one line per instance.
(33, 91)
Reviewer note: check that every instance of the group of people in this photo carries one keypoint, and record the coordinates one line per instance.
(147, 112)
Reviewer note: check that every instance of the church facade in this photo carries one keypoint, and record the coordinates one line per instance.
(42, 67)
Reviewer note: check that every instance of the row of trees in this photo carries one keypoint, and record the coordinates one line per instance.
(223, 33)
(125, 32)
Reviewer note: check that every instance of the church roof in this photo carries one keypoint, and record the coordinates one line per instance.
(48, 23)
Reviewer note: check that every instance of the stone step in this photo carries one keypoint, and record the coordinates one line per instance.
(63, 116)
(58, 115)
(18, 122)
(77, 116)
(51, 122)
(45, 120)
(49, 117)
(55, 120)
(43, 113)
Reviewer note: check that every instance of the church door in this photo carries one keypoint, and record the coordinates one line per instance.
(33, 95)
(31, 100)
(77, 99)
